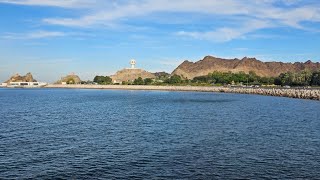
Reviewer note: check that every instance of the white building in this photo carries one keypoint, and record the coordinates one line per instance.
(26, 84)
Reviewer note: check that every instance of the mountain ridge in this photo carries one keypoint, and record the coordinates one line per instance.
(209, 64)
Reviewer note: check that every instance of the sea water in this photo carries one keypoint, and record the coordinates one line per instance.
(115, 134)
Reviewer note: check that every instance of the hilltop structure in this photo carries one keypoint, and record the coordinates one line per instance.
(130, 74)
(69, 79)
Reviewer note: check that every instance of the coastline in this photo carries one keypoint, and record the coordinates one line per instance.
(312, 94)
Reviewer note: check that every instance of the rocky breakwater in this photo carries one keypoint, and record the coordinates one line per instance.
(313, 94)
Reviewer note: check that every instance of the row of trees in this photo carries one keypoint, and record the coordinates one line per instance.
(304, 78)
(140, 81)
(231, 78)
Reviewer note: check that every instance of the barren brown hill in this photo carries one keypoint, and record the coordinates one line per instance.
(131, 75)
(17, 78)
(265, 69)
(72, 79)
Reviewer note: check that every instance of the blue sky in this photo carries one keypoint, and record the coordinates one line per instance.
(52, 38)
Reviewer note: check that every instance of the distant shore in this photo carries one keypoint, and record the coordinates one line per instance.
(313, 94)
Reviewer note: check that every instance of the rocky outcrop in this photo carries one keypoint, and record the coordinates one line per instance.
(69, 79)
(130, 75)
(17, 78)
(210, 64)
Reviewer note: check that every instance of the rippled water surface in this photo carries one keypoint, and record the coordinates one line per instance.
(106, 134)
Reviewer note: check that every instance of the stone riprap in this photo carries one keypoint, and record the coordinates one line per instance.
(313, 94)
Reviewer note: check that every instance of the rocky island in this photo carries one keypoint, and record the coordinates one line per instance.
(18, 78)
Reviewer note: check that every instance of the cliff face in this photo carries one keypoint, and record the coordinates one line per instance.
(17, 78)
(72, 79)
(131, 75)
(265, 69)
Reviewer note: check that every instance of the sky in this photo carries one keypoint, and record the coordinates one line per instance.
(53, 38)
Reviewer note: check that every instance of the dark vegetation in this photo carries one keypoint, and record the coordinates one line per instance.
(304, 78)
(103, 80)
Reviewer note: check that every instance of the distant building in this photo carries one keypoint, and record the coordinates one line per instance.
(26, 84)
(4, 84)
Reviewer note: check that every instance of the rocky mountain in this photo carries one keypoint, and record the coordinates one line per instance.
(69, 79)
(130, 75)
(265, 69)
(161, 74)
(18, 78)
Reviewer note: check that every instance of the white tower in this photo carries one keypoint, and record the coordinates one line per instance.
(133, 63)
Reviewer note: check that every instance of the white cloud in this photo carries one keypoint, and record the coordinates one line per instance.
(57, 3)
(255, 9)
(142, 8)
(105, 11)
(227, 34)
(34, 35)
(246, 15)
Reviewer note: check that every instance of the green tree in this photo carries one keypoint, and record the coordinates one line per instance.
(286, 78)
(108, 80)
(240, 77)
(315, 79)
(201, 79)
(148, 81)
(277, 81)
(102, 80)
(99, 79)
(252, 76)
(265, 80)
(138, 81)
(175, 79)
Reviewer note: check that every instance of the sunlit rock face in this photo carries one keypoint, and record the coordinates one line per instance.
(18, 78)
(129, 75)
(210, 64)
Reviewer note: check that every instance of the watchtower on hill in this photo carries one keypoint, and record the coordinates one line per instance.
(133, 63)
(130, 74)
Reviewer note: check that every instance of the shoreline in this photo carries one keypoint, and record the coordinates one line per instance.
(311, 94)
